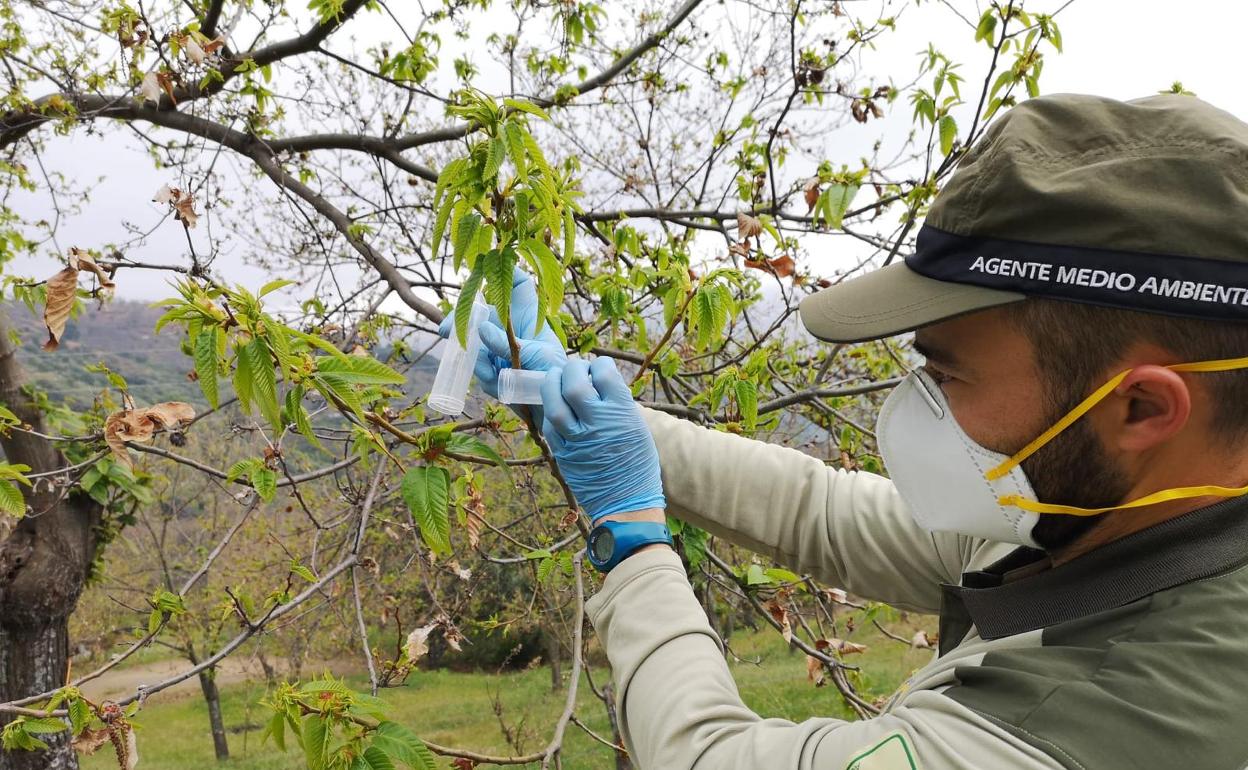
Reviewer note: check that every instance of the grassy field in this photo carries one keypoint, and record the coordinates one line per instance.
(457, 708)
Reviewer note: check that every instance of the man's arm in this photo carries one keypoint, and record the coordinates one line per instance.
(850, 529)
(679, 707)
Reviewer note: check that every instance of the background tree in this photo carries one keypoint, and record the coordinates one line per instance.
(665, 175)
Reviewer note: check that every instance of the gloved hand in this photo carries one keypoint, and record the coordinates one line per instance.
(597, 435)
(537, 353)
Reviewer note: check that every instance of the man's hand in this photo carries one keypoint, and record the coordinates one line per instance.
(538, 353)
(597, 435)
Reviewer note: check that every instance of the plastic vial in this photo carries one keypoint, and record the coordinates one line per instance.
(520, 386)
(450, 384)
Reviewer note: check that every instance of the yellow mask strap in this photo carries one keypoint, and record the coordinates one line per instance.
(1178, 493)
(1220, 365)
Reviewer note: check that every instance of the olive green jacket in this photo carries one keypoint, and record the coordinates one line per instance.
(1132, 656)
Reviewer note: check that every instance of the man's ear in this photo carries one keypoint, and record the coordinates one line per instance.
(1156, 403)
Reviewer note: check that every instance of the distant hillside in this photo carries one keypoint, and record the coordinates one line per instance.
(120, 335)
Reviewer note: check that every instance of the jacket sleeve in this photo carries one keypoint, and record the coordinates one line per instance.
(679, 707)
(846, 528)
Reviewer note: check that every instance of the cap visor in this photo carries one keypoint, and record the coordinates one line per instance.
(890, 301)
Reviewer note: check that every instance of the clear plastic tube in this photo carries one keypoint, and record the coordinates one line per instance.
(450, 384)
(520, 386)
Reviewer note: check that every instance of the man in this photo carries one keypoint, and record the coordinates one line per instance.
(1067, 471)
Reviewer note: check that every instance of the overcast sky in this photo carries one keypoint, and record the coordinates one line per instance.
(1116, 49)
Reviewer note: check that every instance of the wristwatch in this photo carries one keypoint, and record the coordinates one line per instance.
(611, 541)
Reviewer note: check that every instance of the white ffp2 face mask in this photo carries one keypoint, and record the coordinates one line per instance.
(941, 473)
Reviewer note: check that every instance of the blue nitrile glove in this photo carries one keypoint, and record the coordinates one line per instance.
(538, 354)
(597, 435)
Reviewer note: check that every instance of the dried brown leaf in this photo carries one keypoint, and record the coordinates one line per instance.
(62, 288)
(748, 226)
(924, 641)
(463, 573)
(165, 81)
(815, 671)
(811, 191)
(84, 261)
(417, 645)
(149, 89)
(184, 210)
(473, 525)
(139, 425)
(89, 740)
(212, 46)
(166, 194)
(783, 265)
(193, 50)
(843, 647)
(781, 616)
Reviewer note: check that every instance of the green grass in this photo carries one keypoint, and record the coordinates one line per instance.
(456, 709)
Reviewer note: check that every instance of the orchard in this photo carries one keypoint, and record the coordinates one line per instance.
(668, 178)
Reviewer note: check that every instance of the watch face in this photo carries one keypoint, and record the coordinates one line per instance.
(602, 545)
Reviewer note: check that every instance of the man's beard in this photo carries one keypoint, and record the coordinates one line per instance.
(1072, 469)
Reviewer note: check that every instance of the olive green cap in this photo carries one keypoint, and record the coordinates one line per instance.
(1141, 205)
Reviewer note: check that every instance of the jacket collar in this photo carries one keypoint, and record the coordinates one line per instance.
(1021, 593)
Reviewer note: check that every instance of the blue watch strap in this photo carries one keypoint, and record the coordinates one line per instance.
(610, 542)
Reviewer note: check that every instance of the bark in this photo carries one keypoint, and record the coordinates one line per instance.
(212, 696)
(551, 650)
(208, 683)
(45, 558)
(270, 673)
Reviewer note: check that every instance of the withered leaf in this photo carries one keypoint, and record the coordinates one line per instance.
(84, 261)
(183, 204)
(748, 226)
(165, 80)
(61, 288)
(811, 191)
(193, 50)
(923, 640)
(139, 425)
(783, 265)
(840, 646)
(184, 210)
(815, 671)
(781, 616)
(149, 89)
(90, 740)
(417, 645)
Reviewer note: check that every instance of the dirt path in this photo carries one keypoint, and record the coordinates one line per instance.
(121, 682)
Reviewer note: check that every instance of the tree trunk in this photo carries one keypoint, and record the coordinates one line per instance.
(45, 558)
(551, 649)
(32, 659)
(212, 696)
(208, 683)
(270, 673)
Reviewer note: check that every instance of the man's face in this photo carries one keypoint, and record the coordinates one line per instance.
(990, 378)
(996, 390)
